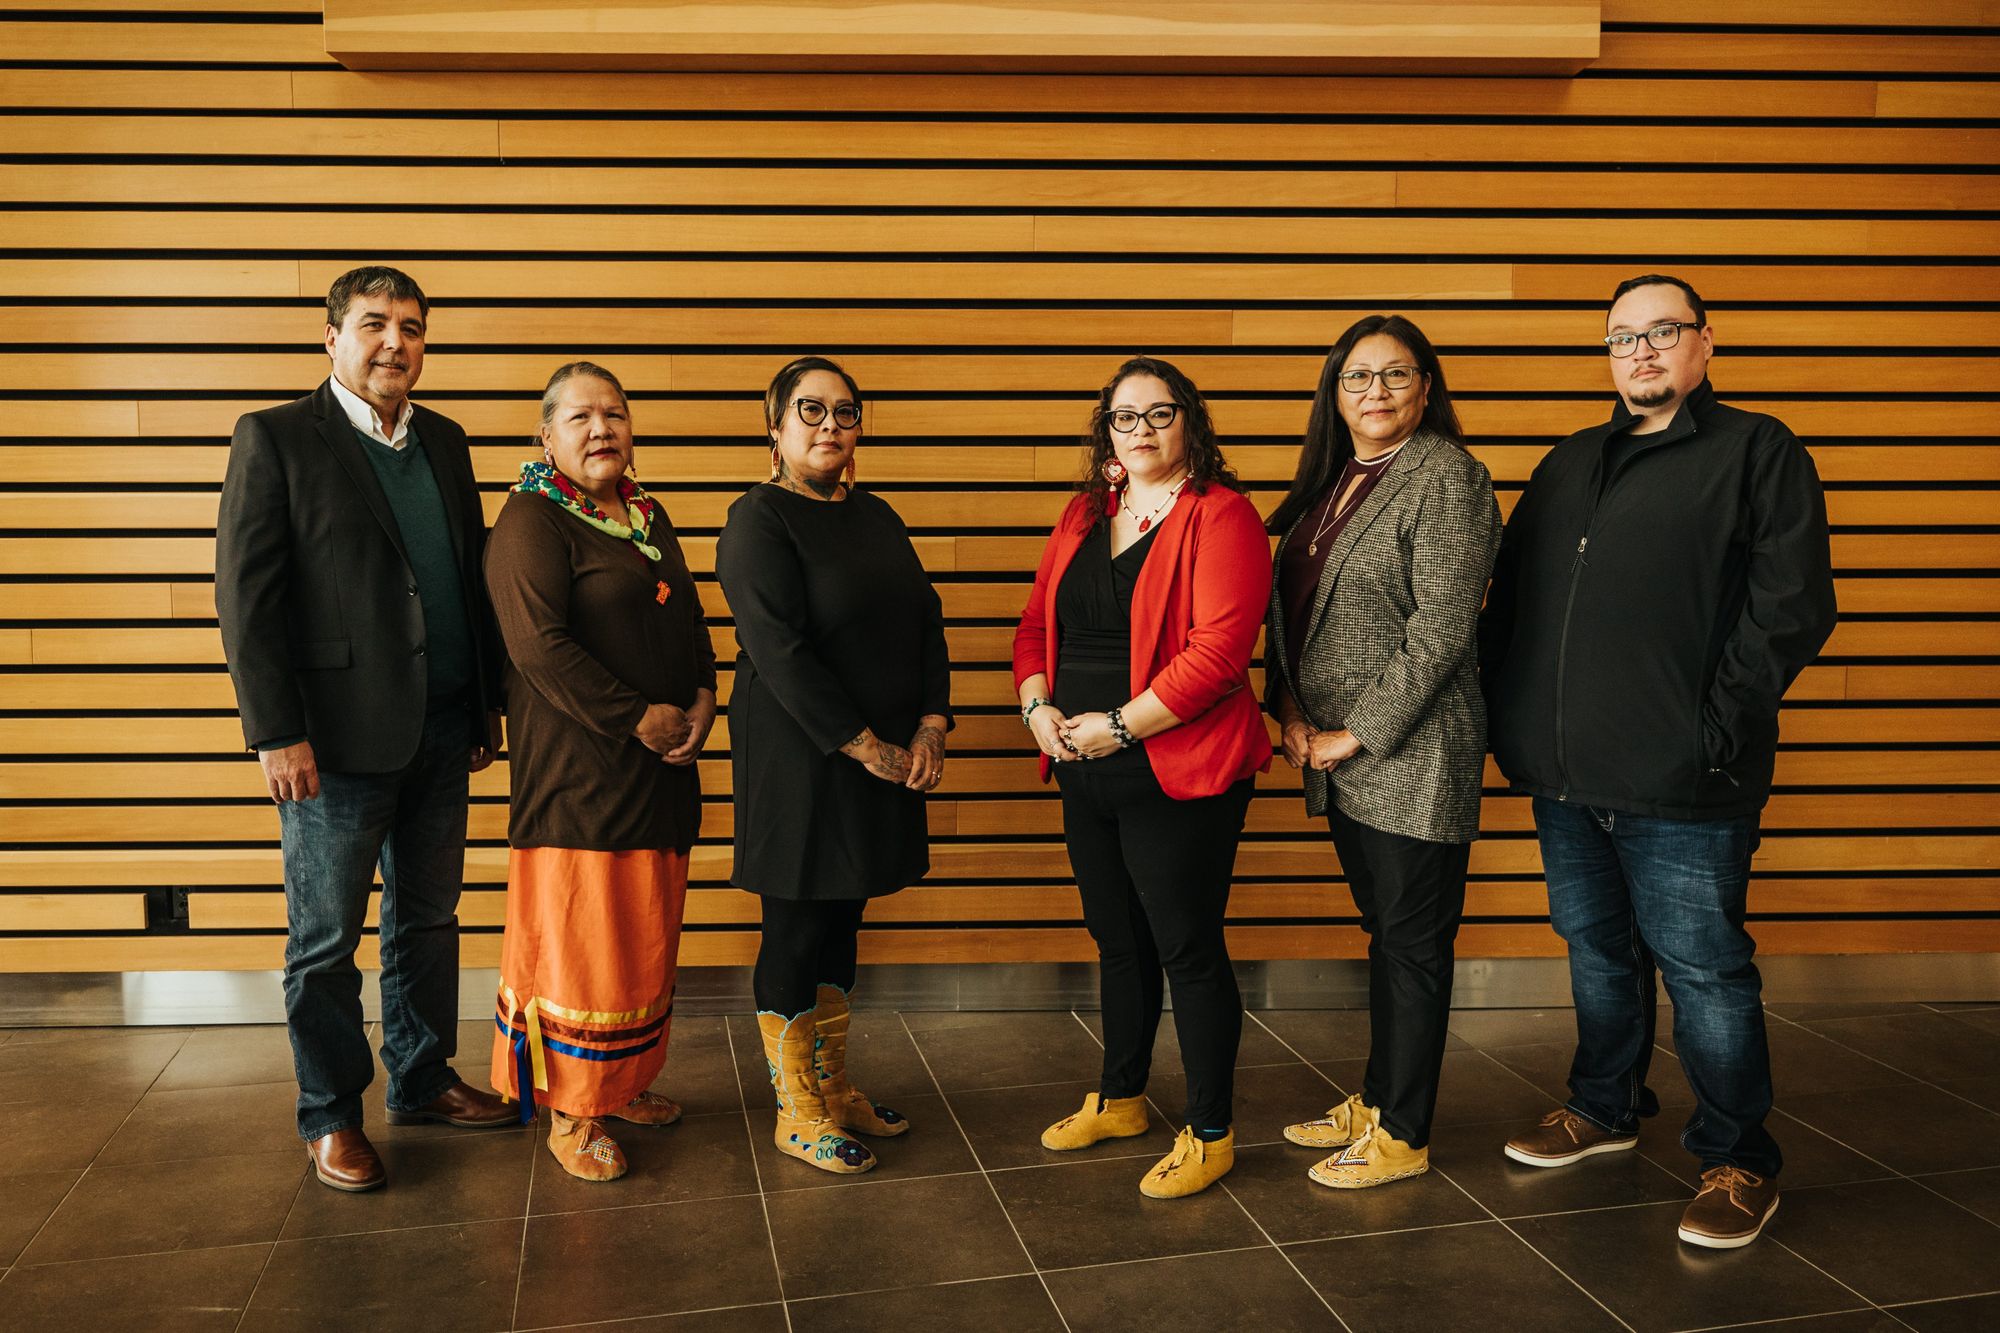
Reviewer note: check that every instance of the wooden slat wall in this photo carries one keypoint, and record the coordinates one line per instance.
(180, 179)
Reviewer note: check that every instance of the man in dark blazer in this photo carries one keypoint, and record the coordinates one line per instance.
(365, 660)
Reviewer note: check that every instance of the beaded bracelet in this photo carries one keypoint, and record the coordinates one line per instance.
(1115, 719)
(1028, 711)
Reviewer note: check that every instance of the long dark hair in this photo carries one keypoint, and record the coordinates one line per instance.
(1328, 445)
(1206, 465)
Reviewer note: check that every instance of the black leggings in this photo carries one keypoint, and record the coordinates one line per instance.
(1154, 875)
(805, 944)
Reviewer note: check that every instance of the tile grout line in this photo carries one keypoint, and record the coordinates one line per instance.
(617, 1320)
(1894, 1174)
(1284, 1254)
(1252, 1016)
(1157, 1259)
(527, 1219)
(1785, 1319)
(1911, 1176)
(757, 1170)
(978, 1162)
(1844, 1286)
(1535, 1250)
(1933, 1084)
(1452, 1182)
(1661, 1166)
(87, 1166)
(271, 1252)
(1564, 1274)
(1269, 1240)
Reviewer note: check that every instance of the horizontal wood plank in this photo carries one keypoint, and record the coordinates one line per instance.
(460, 325)
(662, 232)
(442, 185)
(92, 43)
(524, 373)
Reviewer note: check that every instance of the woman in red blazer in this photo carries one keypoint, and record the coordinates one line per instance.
(1133, 667)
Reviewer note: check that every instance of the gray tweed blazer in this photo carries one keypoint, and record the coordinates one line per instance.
(1389, 652)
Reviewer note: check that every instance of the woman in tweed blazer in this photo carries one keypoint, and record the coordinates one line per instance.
(1389, 533)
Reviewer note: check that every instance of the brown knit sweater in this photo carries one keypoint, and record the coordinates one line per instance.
(590, 642)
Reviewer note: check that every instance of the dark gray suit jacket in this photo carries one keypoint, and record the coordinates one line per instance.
(1389, 652)
(318, 603)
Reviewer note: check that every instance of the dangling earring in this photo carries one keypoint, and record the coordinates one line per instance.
(1114, 472)
(851, 460)
(774, 462)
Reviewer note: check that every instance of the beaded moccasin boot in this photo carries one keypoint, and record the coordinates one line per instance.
(848, 1107)
(805, 1131)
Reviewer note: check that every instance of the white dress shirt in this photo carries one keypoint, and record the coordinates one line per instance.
(367, 421)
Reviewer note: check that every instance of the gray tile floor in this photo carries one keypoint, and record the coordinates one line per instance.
(149, 1179)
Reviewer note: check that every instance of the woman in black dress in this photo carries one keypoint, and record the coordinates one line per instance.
(836, 732)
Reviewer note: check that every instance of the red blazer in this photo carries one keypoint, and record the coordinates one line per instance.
(1196, 610)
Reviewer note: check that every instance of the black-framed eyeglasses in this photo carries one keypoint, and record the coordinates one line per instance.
(1660, 337)
(1125, 420)
(1392, 377)
(812, 411)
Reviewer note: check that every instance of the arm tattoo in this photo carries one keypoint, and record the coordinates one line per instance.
(929, 738)
(894, 763)
(858, 744)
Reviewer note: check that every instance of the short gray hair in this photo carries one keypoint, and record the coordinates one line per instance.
(564, 374)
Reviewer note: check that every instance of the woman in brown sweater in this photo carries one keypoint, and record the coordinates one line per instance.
(610, 696)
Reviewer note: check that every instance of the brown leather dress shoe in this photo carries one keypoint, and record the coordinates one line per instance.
(1563, 1137)
(1731, 1209)
(462, 1105)
(346, 1160)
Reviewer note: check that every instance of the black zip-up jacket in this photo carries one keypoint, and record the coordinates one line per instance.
(1642, 628)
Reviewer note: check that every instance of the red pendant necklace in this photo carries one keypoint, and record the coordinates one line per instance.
(1158, 509)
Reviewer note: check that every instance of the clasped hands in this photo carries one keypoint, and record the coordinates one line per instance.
(677, 734)
(918, 766)
(1065, 739)
(1308, 747)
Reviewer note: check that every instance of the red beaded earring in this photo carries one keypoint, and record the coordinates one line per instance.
(1114, 472)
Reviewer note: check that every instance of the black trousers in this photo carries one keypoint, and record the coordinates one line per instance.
(1154, 875)
(1411, 894)
(803, 945)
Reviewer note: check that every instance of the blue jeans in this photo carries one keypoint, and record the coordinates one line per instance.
(1631, 893)
(413, 823)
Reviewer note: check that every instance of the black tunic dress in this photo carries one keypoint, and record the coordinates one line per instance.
(838, 629)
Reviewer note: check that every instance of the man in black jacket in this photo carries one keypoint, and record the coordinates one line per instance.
(1663, 580)
(365, 661)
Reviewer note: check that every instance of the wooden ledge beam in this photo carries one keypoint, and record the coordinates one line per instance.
(1129, 37)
